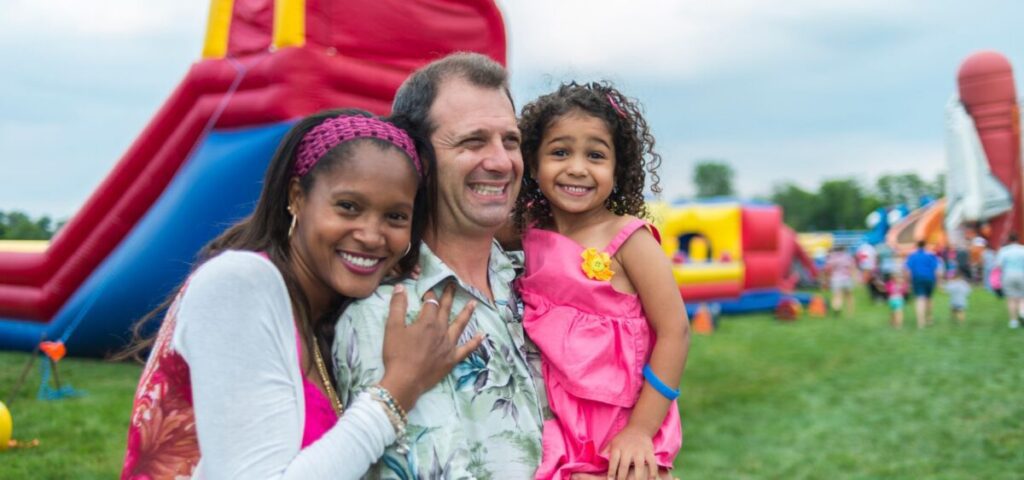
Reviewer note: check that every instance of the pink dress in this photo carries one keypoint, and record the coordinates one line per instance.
(594, 343)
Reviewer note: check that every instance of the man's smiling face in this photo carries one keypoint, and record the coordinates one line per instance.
(479, 165)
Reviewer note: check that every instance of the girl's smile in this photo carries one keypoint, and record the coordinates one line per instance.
(575, 190)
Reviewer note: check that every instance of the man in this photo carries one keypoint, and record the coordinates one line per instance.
(484, 420)
(1010, 260)
(923, 267)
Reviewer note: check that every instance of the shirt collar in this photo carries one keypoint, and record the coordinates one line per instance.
(501, 271)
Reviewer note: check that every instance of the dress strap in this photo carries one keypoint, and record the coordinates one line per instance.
(627, 231)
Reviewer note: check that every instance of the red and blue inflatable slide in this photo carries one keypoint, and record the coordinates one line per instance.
(197, 166)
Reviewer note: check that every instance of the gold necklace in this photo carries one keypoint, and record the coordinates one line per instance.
(322, 368)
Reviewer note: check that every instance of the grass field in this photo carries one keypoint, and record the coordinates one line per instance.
(78, 437)
(818, 398)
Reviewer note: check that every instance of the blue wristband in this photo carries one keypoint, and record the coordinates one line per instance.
(658, 385)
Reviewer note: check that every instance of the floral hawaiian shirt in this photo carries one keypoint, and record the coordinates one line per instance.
(484, 419)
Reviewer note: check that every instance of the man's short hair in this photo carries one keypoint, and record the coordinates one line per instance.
(416, 95)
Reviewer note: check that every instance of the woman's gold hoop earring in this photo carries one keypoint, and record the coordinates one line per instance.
(408, 249)
(295, 220)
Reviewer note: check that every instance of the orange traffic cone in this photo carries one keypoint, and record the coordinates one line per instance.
(702, 321)
(817, 307)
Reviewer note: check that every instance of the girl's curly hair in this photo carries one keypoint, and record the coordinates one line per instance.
(634, 148)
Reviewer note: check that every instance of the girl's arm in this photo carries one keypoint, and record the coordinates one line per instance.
(650, 272)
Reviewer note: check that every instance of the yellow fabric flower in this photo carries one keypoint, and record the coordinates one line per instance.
(597, 265)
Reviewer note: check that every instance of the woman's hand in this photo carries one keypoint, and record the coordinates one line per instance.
(419, 355)
(632, 448)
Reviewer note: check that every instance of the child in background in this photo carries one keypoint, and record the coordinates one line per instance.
(605, 325)
(840, 268)
(958, 290)
(896, 288)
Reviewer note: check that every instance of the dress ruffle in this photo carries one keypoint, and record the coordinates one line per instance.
(599, 357)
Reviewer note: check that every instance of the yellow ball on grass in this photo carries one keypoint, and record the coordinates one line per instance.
(6, 425)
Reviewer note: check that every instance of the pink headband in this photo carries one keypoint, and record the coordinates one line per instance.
(335, 131)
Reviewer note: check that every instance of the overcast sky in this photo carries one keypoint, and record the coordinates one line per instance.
(786, 90)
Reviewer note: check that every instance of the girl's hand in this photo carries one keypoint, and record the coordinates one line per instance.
(419, 355)
(631, 447)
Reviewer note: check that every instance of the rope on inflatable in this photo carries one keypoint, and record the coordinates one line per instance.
(48, 368)
(240, 74)
(48, 392)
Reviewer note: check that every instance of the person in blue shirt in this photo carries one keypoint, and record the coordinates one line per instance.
(923, 267)
(1010, 261)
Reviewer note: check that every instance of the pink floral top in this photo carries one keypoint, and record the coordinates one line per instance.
(162, 441)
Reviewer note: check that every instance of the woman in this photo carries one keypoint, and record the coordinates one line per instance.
(236, 385)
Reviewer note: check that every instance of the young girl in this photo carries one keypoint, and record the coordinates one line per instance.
(896, 288)
(601, 302)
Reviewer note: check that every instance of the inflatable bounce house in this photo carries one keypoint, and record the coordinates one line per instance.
(739, 256)
(880, 221)
(923, 223)
(983, 153)
(818, 244)
(197, 166)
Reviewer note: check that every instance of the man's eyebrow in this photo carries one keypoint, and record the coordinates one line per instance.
(471, 134)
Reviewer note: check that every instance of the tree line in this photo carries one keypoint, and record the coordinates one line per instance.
(837, 204)
(17, 225)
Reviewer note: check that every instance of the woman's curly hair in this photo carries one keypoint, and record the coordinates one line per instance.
(634, 148)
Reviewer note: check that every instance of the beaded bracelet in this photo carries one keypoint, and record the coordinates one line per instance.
(395, 414)
(390, 401)
(666, 391)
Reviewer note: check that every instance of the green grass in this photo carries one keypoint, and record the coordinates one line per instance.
(854, 398)
(80, 438)
(818, 398)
